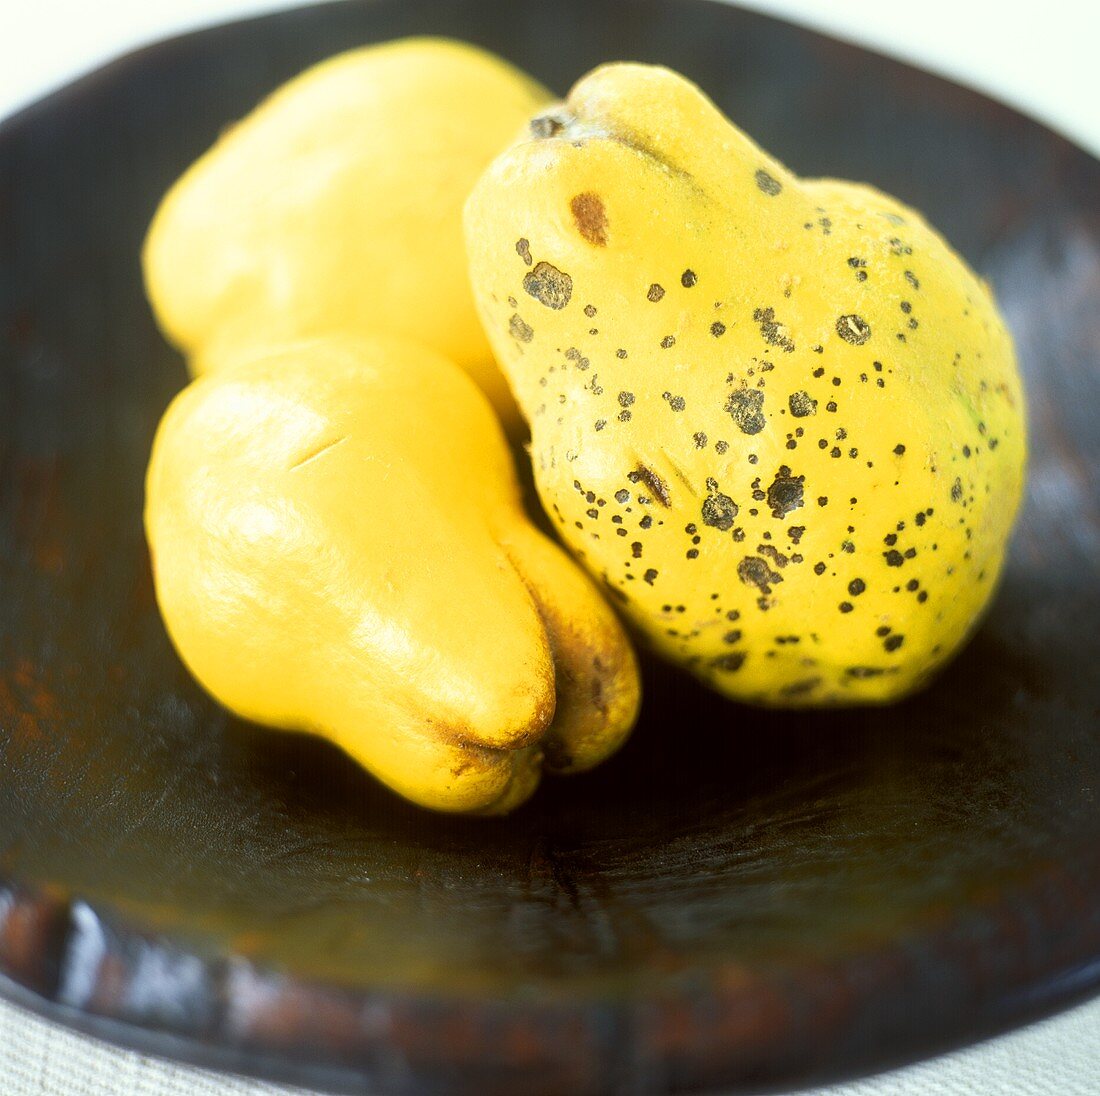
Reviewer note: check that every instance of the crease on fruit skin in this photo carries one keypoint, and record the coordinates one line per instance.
(308, 543)
(567, 743)
(810, 347)
(568, 125)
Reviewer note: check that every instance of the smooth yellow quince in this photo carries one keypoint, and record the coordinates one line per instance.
(339, 547)
(337, 205)
(797, 410)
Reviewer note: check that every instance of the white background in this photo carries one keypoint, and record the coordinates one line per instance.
(1043, 58)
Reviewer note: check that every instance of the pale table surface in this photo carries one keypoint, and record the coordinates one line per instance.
(1056, 1057)
(1040, 58)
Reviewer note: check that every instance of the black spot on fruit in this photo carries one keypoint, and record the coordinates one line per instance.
(520, 331)
(730, 662)
(754, 571)
(548, 285)
(785, 493)
(578, 359)
(956, 490)
(853, 329)
(774, 554)
(745, 407)
(655, 293)
(523, 250)
(688, 279)
(800, 688)
(719, 511)
(590, 217)
(802, 404)
(772, 332)
(768, 184)
(856, 587)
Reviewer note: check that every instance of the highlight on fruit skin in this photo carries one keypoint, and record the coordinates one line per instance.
(339, 547)
(800, 406)
(336, 205)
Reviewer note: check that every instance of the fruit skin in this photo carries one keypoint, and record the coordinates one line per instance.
(797, 409)
(339, 546)
(337, 205)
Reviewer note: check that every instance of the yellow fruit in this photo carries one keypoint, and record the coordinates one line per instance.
(337, 205)
(339, 547)
(800, 406)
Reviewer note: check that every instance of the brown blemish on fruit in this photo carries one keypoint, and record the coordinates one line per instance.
(657, 486)
(547, 125)
(590, 218)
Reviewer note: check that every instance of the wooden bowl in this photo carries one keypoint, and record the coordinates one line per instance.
(740, 899)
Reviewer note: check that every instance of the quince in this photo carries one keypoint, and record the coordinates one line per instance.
(339, 547)
(336, 205)
(779, 418)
